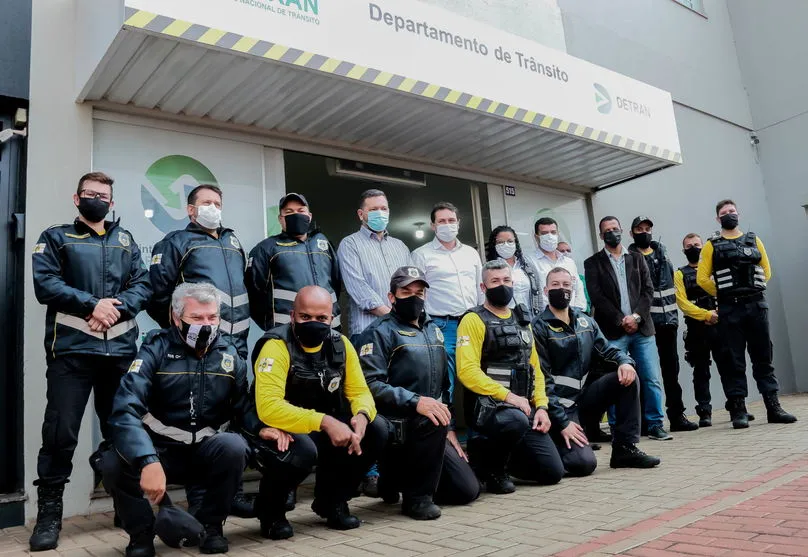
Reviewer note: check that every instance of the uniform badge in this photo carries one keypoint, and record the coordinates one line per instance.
(747, 251)
(157, 259)
(583, 322)
(439, 334)
(334, 384)
(228, 363)
(234, 242)
(413, 272)
(265, 365)
(39, 248)
(525, 337)
(322, 244)
(366, 350)
(135, 367)
(124, 239)
(463, 341)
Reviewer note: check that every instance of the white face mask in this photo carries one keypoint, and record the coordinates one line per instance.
(548, 242)
(208, 216)
(506, 249)
(447, 232)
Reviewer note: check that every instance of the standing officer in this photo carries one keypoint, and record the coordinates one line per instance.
(204, 251)
(185, 384)
(665, 315)
(308, 382)
(283, 264)
(404, 361)
(505, 400)
(91, 277)
(735, 268)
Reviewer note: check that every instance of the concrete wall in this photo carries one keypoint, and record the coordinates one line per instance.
(15, 48)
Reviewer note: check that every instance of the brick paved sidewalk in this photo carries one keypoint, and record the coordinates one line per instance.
(716, 487)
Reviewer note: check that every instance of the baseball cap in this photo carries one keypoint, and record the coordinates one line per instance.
(176, 527)
(639, 220)
(404, 276)
(292, 196)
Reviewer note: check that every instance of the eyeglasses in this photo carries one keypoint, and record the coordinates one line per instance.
(90, 194)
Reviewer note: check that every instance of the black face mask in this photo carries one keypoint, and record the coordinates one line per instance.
(297, 224)
(198, 337)
(729, 221)
(311, 334)
(93, 209)
(642, 239)
(612, 238)
(693, 253)
(499, 296)
(409, 309)
(559, 298)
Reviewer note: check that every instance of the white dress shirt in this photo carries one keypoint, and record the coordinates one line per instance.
(454, 277)
(521, 286)
(544, 265)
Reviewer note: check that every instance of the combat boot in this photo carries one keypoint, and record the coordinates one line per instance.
(738, 413)
(48, 518)
(705, 416)
(775, 413)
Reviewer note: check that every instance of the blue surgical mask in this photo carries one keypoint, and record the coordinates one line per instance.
(377, 220)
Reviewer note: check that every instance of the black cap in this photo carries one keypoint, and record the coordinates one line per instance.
(176, 527)
(639, 220)
(290, 197)
(404, 276)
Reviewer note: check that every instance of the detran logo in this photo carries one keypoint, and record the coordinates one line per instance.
(603, 99)
(168, 182)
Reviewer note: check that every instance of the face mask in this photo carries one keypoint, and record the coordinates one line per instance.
(559, 298)
(93, 209)
(642, 239)
(208, 216)
(297, 224)
(377, 220)
(409, 309)
(446, 232)
(499, 296)
(693, 253)
(506, 250)
(198, 337)
(311, 334)
(729, 221)
(612, 238)
(548, 242)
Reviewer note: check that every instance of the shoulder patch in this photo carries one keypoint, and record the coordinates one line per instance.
(135, 367)
(439, 334)
(228, 363)
(583, 322)
(39, 248)
(464, 340)
(265, 365)
(234, 242)
(124, 239)
(366, 350)
(157, 259)
(322, 244)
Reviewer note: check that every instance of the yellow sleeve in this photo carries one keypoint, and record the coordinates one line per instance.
(540, 399)
(704, 274)
(356, 388)
(690, 309)
(271, 371)
(764, 260)
(470, 337)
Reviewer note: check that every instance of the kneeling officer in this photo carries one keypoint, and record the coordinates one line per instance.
(309, 383)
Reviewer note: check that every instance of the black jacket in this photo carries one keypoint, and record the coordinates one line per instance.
(402, 363)
(664, 310)
(604, 292)
(172, 397)
(73, 269)
(568, 354)
(193, 255)
(280, 266)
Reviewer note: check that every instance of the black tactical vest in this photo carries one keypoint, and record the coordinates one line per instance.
(506, 351)
(736, 266)
(694, 292)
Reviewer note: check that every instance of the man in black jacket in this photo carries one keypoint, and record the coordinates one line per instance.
(186, 383)
(621, 292)
(91, 277)
(406, 367)
(282, 264)
(569, 344)
(665, 315)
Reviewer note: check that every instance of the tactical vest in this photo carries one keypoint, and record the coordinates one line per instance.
(506, 351)
(694, 292)
(736, 266)
(664, 310)
(315, 381)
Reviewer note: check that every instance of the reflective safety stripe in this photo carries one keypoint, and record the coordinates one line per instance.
(233, 302)
(234, 329)
(724, 286)
(668, 292)
(569, 382)
(290, 295)
(565, 402)
(663, 309)
(176, 433)
(81, 325)
(501, 376)
(723, 271)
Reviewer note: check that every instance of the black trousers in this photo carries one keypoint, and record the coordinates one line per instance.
(666, 341)
(70, 379)
(702, 342)
(216, 465)
(744, 326)
(511, 443)
(338, 473)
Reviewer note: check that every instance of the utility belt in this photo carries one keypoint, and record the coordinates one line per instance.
(746, 299)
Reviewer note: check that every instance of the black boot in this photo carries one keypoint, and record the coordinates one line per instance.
(738, 413)
(276, 528)
(705, 416)
(626, 455)
(681, 423)
(141, 545)
(214, 541)
(243, 505)
(291, 500)
(337, 515)
(775, 413)
(48, 518)
(420, 508)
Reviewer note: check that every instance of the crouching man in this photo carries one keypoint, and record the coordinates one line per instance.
(184, 386)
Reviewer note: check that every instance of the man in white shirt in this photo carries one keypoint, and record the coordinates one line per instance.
(547, 257)
(454, 273)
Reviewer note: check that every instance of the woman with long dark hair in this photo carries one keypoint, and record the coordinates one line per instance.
(503, 243)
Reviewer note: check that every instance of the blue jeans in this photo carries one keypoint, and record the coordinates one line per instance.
(449, 329)
(644, 351)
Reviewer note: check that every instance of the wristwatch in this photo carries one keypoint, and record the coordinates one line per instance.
(636, 317)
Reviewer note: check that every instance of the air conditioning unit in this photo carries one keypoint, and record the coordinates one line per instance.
(375, 173)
